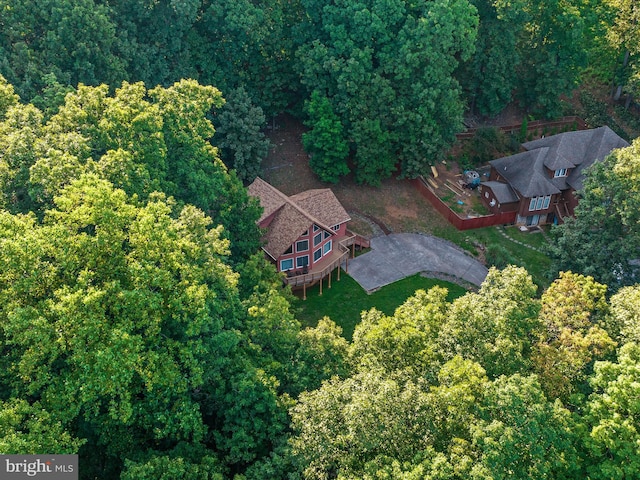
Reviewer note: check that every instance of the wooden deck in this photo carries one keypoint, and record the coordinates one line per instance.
(345, 249)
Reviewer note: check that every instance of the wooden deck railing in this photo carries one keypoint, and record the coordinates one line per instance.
(315, 276)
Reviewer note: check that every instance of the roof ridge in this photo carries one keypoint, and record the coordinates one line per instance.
(289, 201)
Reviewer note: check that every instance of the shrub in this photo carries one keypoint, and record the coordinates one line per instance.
(498, 256)
(487, 143)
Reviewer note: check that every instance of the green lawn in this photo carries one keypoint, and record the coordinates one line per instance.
(344, 301)
(536, 263)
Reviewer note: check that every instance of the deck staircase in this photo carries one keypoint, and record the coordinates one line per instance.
(346, 248)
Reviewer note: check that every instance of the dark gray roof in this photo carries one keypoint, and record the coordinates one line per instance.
(525, 173)
(572, 150)
(603, 142)
(502, 191)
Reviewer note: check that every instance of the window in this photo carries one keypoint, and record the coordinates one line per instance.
(335, 228)
(539, 203)
(317, 255)
(317, 239)
(326, 248)
(302, 246)
(306, 232)
(326, 235)
(302, 261)
(289, 250)
(561, 172)
(316, 228)
(286, 264)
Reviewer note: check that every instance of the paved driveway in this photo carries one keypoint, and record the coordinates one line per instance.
(399, 255)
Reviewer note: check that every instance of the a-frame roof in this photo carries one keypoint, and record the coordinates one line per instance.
(294, 215)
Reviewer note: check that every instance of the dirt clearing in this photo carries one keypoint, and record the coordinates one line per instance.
(395, 206)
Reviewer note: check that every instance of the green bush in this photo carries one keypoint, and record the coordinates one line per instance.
(596, 114)
(498, 256)
(487, 144)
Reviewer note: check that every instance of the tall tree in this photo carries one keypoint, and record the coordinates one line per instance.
(107, 350)
(239, 135)
(522, 435)
(623, 35)
(625, 313)
(533, 49)
(489, 77)
(613, 426)
(123, 328)
(8, 97)
(497, 326)
(386, 68)
(154, 38)
(603, 239)
(142, 141)
(195, 173)
(241, 43)
(403, 345)
(74, 40)
(551, 47)
(573, 312)
(326, 142)
(20, 129)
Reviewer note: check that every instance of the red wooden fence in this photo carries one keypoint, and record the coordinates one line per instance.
(453, 218)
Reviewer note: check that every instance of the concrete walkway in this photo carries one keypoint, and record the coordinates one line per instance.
(399, 255)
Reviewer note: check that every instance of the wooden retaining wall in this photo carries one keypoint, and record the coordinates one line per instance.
(452, 217)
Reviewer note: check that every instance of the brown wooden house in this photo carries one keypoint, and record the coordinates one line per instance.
(302, 232)
(540, 183)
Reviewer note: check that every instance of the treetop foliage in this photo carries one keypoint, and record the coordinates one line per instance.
(140, 326)
(603, 240)
(140, 140)
(397, 75)
(429, 398)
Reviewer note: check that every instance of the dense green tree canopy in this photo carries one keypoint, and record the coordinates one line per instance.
(391, 70)
(403, 413)
(121, 333)
(386, 67)
(489, 77)
(326, 140)
(140, 140)
(242, 143)
(141, 327)
(76, 41)
(603, 240)
(532, 50)
(612, 416)
(101, 279)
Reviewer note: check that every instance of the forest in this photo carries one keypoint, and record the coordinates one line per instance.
(141, 326)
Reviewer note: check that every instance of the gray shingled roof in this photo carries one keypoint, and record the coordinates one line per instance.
(572, 150)
(502, 191)
(525, 173)
(296, 214)
(601, 145)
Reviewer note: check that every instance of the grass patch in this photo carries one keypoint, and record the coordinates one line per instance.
(535, 262)
(346, 299)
